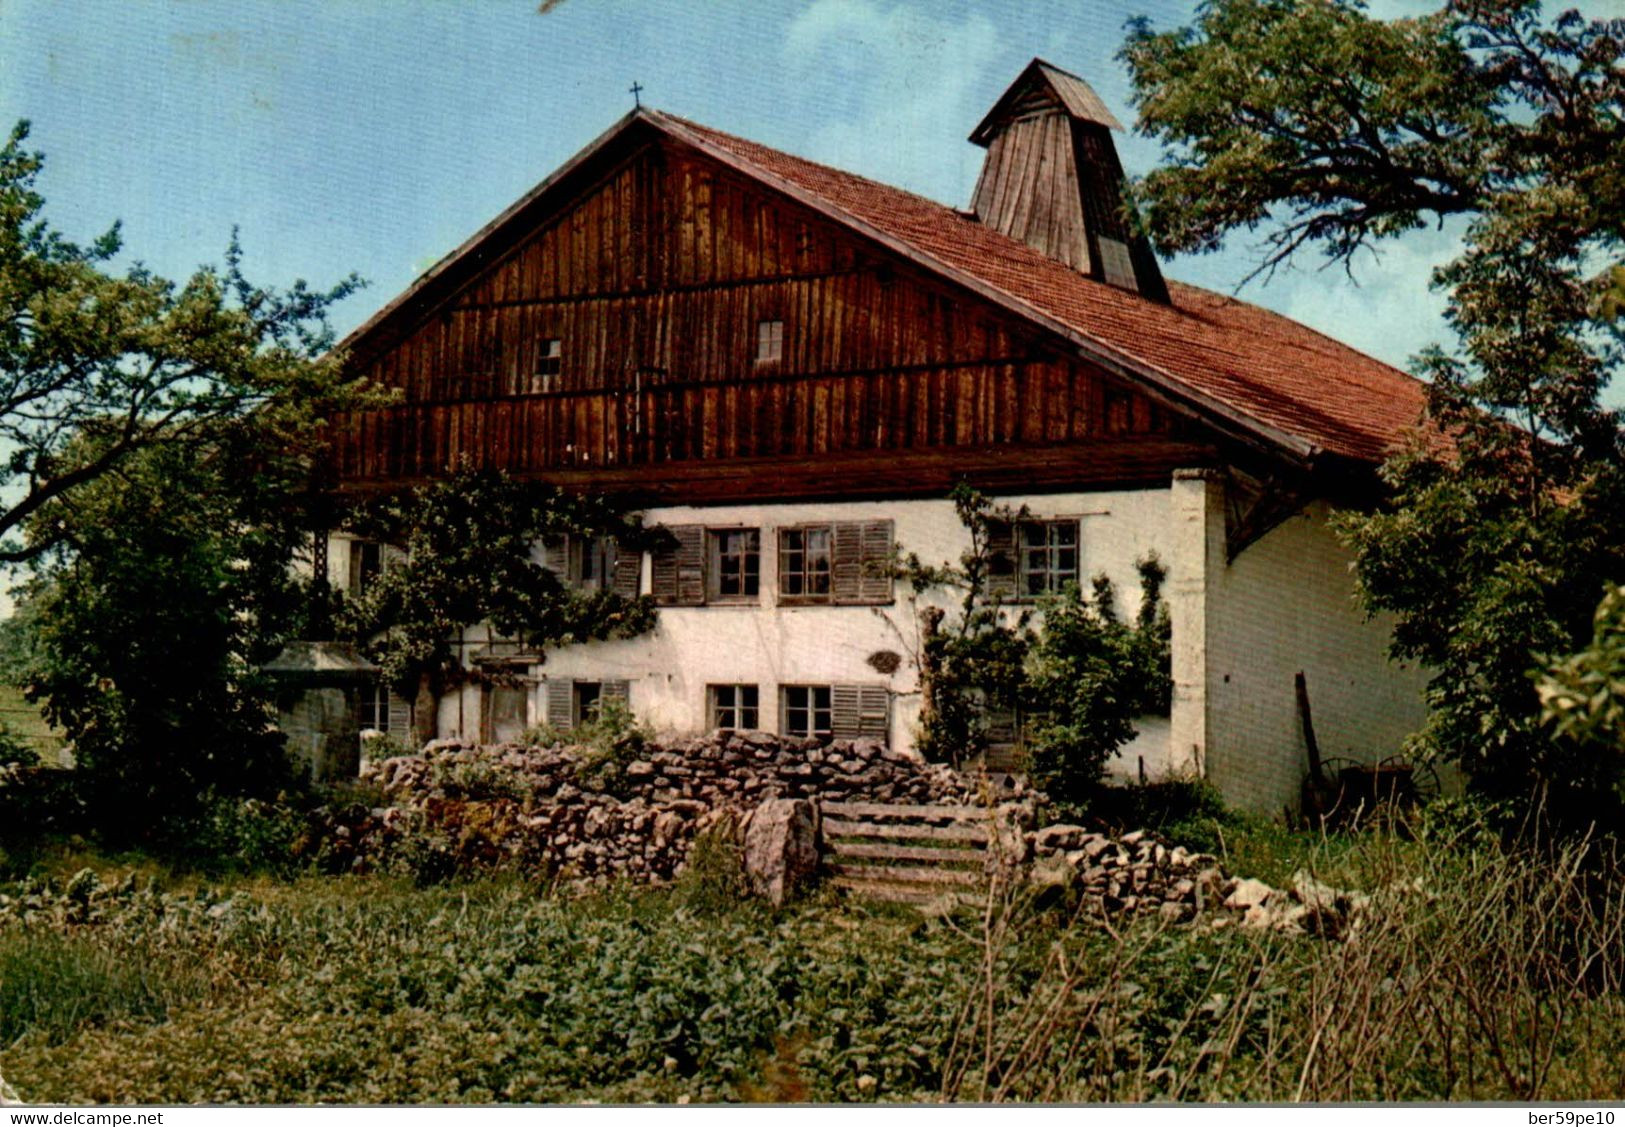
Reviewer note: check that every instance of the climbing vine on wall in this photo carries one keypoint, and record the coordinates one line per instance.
(1074, 671)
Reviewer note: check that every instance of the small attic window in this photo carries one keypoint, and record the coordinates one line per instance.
(549, 365)
(769, 342)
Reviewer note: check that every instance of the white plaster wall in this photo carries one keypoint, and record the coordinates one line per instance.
(1287, 604)
(771, 646)
(1241, 630)
(1149, 756)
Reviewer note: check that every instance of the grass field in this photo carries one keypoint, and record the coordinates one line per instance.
(1473, 976)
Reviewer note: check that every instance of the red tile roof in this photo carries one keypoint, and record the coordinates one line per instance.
(1296, 386)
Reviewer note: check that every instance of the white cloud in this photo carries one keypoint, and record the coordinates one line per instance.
(906, 78)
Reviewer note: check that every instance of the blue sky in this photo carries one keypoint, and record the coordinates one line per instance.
(375, 135)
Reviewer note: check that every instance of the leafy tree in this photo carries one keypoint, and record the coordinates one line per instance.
(467, 547)
(158, 440)
(168, 586)
(1319, 126)
(1089, 675)
(96, 366)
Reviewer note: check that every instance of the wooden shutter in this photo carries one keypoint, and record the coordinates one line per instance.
(874, 578)
(874, 712)
(846, 711)
(846, 562)
(561, 703)
(679, 572)
(1003, 560)
(556, 557)
(400, 718)
(615, 690)
(628, 572)
(860, 711)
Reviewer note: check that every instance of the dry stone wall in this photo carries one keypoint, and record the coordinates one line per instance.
(456, 807)
(555, 809)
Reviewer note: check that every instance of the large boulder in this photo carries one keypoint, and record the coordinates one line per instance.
(781, 848)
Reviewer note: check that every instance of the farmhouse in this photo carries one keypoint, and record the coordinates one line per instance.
(790, 366)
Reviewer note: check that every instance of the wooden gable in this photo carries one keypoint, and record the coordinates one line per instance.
(653, 277)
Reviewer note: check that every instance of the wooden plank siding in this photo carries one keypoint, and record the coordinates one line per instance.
(654, 280)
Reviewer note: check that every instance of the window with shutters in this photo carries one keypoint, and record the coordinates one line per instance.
(860, 712)
(595, 563)
(733, 706)
(805, 562)
(571, 703)
(1049, 556)
(806, 710)
(736, 564)
(845, 562)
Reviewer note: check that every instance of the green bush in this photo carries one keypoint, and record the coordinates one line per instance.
(1582, 696)
(1089, 675)
(253, 835)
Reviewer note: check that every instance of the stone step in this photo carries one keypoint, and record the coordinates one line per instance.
(918, 894)
(839, 827)
(891, 852)
(901, 874)
(904, 812)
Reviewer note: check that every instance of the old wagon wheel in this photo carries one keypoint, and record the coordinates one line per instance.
(1424, 779)
(1327, 797)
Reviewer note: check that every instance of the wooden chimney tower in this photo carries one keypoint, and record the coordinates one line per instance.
(1052, 179)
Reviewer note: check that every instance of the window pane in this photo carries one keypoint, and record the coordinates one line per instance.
(733, 706)
(804, 561)
(738, 561)
(818, 561)
(807, 710)
(1049, 556)
(769, 341)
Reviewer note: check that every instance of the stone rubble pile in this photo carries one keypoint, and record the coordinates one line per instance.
(1139, 873)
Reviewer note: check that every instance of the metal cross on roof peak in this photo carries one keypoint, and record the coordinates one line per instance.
(635, 90)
